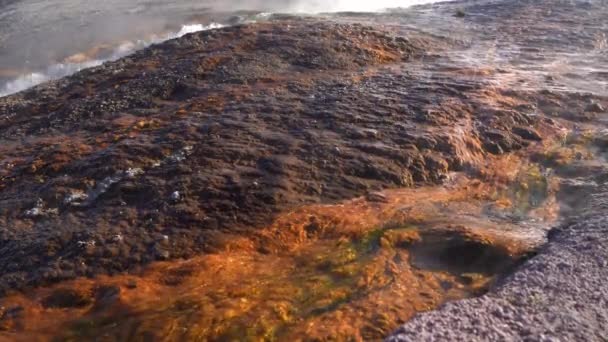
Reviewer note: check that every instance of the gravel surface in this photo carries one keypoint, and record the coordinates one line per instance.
(559, 295)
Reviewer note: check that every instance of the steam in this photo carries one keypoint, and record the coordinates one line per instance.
(316, 6)
(354, 5)
(67, 68)
(131, 19)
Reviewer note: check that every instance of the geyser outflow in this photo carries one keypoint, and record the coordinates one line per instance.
(33, 38)
(353, 6)
(59, 70)
(315, 6)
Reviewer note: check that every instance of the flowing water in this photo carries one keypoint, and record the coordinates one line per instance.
(351, 270)
(354, 270)
(45, 40)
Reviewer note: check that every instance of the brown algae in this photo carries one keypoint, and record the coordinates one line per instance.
(352, 271)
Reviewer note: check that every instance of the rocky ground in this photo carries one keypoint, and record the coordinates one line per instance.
(142, 159)
(151, 157)
(559, 295)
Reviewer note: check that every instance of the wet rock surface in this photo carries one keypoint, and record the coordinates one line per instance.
(558, 295)
(156, 156)
(354, 270)
(144, 158)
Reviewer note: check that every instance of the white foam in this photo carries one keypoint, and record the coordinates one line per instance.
(60, 70)
(194, 28)
(354, 5)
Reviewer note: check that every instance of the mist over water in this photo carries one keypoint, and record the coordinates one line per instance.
(45, 40)
(316, 6)
(70, 66)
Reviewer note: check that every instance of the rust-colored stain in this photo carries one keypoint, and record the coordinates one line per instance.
(351, 271)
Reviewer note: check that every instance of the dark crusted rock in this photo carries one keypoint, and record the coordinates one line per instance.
(105, 296)
(498, 142)
(66, 298)
(595, 108)
(224, 129)
(376, 197)
(10, 313)
(527, 133)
